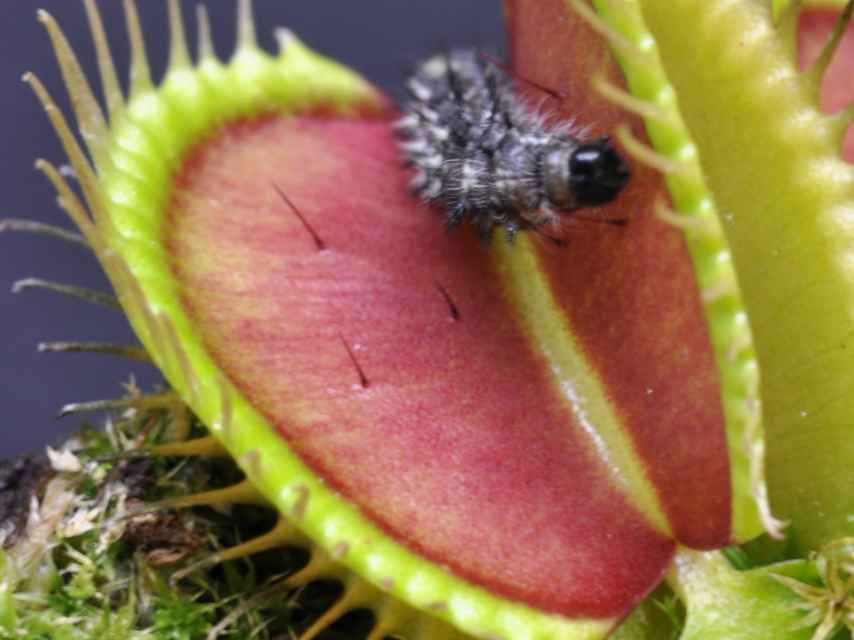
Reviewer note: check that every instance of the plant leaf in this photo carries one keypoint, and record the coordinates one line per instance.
(530, 464)
(775, 169)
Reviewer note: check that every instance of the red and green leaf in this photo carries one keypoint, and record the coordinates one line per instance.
(515, 438)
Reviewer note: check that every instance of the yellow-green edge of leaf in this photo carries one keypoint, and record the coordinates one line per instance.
(696, 213)
(145, 146)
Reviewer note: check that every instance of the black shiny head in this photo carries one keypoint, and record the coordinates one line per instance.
(597, 173)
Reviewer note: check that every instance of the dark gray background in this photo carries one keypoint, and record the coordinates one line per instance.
(380, 38)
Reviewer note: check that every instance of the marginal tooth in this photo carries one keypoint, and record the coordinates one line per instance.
(755, 447)
(717, 290)
(93, 125)
(207, 446)
(96, 405)
(31, 226)
(246, 37)
(684, 221)
(167, 400)
(432, 628)
(85, 172)
(355, 595)
(81, 293)
(109, 78)
(319, 566)
(71, 204)
(244, 492)
(390, 619)
(286, 40)
(137, 354)
(617, 40)
(632, 104)
(140, 72)
(646, 155)
(787, 28)
(280, 535)
(179, 55)
(203, 28)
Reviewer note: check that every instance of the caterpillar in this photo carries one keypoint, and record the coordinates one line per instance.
(481, 154)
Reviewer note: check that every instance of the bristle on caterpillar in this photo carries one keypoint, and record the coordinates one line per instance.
(481, 154)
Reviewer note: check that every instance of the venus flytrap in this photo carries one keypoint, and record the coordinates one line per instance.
(590, 420)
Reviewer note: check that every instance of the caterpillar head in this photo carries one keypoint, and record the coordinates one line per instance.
(597, 173)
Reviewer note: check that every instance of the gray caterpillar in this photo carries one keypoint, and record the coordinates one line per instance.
(483, 155)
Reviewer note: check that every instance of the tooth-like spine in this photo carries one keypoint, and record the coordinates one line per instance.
(179, 55)
(166, 400)
(90, 118)
(787, 28)
(107, 68)
(390, 618)
(71, 204)
(204, 447)
(31, 226)
(647, 155)
(206, 47)
(356, 594)
(244, 492)
(246, 37)
(81, 293)
(615, 39)
(284, 38)
(88, 179)
(131, 352)
(140, 73)
(280, 535)
(754, 443)
(684, 221)
(632, 104)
